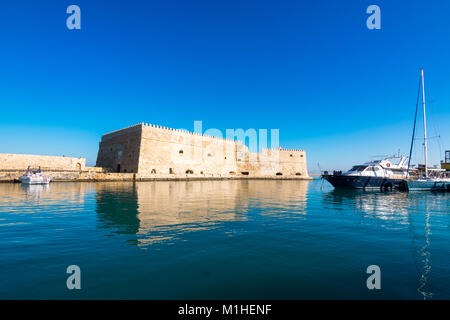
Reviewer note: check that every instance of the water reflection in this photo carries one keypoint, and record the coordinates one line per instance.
(170, 208)
(403, 208)
(380, 205)
(14, 193)
(422, 255)
(159, 211)
(259, 229)
(117, 207)
(34, 192)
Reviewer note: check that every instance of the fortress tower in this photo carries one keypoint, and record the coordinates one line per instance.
(151, 150)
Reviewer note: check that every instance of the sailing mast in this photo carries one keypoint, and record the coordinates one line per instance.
(424, 125)
(414, 128)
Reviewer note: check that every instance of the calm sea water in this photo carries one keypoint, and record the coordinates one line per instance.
(221, 239)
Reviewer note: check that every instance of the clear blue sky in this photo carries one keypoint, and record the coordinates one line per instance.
(309, 68)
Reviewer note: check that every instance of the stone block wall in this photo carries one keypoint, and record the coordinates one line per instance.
(180, 153)
(156, 151)
(119, 150)
(293, 162)
(22, 161)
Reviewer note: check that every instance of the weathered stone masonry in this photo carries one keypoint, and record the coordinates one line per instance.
(152, 151)
(54, 163)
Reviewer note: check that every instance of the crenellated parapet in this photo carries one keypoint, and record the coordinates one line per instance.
(291, 150)
(182, 131)
(151, 149)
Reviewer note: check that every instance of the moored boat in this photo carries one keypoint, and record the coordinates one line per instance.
(34, 177)
(382, 174)
(430, 179)
(429, 184)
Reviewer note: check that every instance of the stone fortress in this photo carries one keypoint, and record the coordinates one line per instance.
(151, 152)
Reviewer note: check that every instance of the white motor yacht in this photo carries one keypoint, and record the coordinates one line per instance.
(34, 177)
(385, 174)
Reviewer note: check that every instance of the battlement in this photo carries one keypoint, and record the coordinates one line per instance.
(183, 131)
(152, 149)
(291, 150)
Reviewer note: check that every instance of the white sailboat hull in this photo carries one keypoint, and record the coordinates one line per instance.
(428, 185)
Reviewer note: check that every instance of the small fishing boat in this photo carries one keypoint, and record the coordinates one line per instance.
(34, 177)
(436, 181)
(386, 174)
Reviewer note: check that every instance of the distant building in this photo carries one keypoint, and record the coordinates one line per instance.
(446, 164)
(151, 150)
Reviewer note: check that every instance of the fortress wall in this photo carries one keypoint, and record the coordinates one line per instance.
(119, 150)
(249, 165)
(265, 163)
(268, 162)
(169, 151)
(153, 152)
(293, 162)
(22, 161)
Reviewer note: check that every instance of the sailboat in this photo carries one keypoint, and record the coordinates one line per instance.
(425, 182)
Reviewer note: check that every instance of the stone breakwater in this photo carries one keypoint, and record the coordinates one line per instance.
(66, 175)
(97, 174)
(13, 162)
(12, 166)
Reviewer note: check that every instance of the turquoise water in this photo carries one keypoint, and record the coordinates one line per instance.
(221, 240)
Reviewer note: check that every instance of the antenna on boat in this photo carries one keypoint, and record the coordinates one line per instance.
(424, 125)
